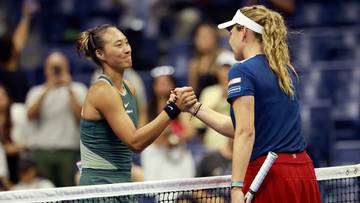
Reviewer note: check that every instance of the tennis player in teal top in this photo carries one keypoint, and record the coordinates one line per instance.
(109, 114)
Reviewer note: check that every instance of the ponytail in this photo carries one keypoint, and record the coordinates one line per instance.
(91, 40)
(274, 44)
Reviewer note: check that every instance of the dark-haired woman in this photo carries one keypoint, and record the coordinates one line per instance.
(107, 126)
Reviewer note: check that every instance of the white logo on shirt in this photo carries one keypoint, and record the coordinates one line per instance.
(234, 81)
(235, 89)
(126, 105)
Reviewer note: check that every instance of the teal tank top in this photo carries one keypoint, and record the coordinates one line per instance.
(102, 152)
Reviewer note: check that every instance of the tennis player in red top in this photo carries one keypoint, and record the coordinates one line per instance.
(264, 115)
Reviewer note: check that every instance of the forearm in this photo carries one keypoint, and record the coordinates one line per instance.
(147, 134)
(143, 117)
(219, 122)
(242, 149)
(75, 108)
(34, 109)
(287, 6)
(21, 33)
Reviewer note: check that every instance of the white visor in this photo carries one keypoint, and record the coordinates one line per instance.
(241, 19)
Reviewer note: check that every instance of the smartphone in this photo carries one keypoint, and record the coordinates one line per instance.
(57, 70)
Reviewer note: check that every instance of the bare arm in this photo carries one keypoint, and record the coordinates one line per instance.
(219, 122)
(288, 6)
(21, 33)
(33, 111)
(20, 37)
(110, 106)
(74, 105)
(244, 138)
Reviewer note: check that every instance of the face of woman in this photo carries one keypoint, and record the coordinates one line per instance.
(205, 39)
(162, 86)
(117, 51)
(4, 99)
(236, 41)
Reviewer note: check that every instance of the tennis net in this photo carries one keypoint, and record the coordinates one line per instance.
(337, 184)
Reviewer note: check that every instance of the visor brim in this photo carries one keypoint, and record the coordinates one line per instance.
(226, 24)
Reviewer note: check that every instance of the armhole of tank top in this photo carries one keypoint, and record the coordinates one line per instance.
(128, 89)
(104, 80)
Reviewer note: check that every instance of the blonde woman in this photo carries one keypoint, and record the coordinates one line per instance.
(264, 114)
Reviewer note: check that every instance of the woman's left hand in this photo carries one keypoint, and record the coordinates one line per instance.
(186, 96)
(237, 196)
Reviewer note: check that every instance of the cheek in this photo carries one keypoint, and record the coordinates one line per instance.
(4, 102)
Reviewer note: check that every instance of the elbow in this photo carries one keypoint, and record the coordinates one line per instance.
(136, 147)
(248, 132)
(30, 115)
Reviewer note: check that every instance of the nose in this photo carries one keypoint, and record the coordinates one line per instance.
(128, 49)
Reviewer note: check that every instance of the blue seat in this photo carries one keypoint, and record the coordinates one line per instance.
(346, 152)
(318, 132)
(180, 52)
(330, 48)
(346, 120)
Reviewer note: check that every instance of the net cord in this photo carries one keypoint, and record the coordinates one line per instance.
(120, 189)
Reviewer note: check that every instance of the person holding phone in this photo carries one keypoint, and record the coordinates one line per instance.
(54, 111)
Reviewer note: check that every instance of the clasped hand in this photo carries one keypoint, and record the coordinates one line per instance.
(184, 98)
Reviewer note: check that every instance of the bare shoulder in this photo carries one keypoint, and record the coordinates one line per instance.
(101, 92)
(131, 87)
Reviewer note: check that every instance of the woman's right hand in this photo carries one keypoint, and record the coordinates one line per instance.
(185, 98)
(237, 196)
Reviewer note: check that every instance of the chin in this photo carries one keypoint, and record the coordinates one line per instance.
(128, 66)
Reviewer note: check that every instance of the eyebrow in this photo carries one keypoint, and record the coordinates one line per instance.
(120, 40)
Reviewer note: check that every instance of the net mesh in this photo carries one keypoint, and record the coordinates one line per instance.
(337, 184)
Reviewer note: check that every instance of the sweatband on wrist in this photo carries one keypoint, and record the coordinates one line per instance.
(239, 184)
(172, 110)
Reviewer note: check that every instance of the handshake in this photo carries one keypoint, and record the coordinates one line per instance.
(185, 100)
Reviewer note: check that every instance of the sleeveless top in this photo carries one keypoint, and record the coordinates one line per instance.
(101, 150)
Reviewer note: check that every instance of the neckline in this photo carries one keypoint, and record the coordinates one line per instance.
(113, 85)
(251, 57)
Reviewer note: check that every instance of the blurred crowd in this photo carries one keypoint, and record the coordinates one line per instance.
(40, 110)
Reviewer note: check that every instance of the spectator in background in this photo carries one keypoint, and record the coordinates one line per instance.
(169, 150)
(216, 163)
(11, 46)
(286, 7)
(214, 97)
(28, 177)
(3, 170)
(202, 68)
(54, 109)
(11, 149)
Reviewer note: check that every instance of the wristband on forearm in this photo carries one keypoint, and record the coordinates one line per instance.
(196, 110)
(238, 184)
(172, 110)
